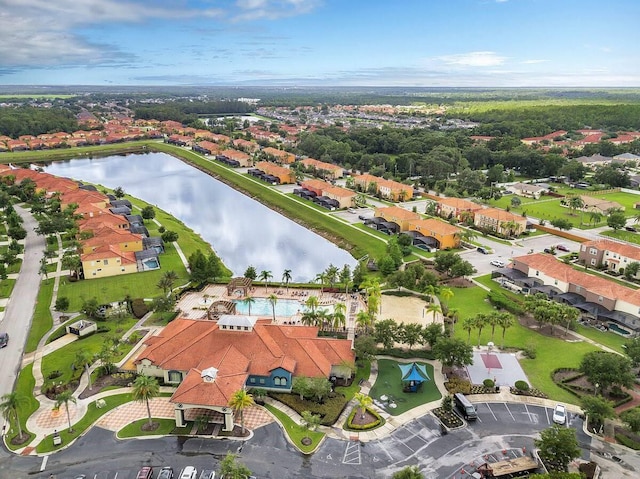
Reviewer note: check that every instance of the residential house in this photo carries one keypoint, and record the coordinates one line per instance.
(625, 157)
(527, 190)
(108, 260)
(398, 216)
(283, 174)
(123, 239)
(207, 148)
(597, 298)
(594, 160)
(346, 198)
(106, 220)
(434, 233)
(208, 361)
(235, 158)
(500, 221)
(549, 138)
(599, 205)
(322, 169)
(279, 156)
(613, 255)
(388, 189)
(246, 145)
(456, 208)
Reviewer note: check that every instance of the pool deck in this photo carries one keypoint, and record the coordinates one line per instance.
(195, 305)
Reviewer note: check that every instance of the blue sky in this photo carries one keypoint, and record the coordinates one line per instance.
(459, 43)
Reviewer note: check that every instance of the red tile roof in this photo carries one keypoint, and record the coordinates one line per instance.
(623, 249)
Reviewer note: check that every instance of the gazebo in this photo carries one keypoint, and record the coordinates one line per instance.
(413, 375)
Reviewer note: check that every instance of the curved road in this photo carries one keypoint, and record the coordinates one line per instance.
(19, 311)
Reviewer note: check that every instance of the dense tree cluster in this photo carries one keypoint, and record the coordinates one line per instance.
(188, 111)
(27, 120)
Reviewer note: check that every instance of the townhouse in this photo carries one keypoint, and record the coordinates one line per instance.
(388, 189)
(325, 170)
(456, 208)
(612, 255)
(500, 221)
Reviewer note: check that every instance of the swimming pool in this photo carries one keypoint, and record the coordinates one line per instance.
(284, 307)
(617, 329)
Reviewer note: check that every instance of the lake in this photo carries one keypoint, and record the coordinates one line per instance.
(243, 232)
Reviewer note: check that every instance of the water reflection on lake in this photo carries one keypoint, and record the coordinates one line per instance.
(242, 231)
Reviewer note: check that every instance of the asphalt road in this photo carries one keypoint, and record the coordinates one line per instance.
(500, 426)
(19, 311)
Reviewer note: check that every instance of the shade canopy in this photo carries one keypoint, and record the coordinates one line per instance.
(414, 372)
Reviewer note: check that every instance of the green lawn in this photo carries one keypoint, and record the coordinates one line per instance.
(166, 426)
(42, 320)
(63, 358)
(623, 235)
(116, 288)
(296, 432)
(552, 352)
(389, 383)
(606, 338)
(6, 287)
(24, 388)
(469, 302)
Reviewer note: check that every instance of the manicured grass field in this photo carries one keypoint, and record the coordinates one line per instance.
(166, 426)
(551, 352)
(295, 432)
(6, 287)
(63, 359)
(42, 320)
(116, 288)
(389, 383)
(623, 235)
(29, 404)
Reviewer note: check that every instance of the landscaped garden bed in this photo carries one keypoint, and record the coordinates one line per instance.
(577, 383)
(449, 419)
(363, 421)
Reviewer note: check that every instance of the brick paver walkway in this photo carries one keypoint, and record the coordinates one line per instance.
(127, 413)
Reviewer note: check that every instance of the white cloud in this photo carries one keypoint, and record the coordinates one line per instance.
(473, 59)
(273, 9)
(533, 61)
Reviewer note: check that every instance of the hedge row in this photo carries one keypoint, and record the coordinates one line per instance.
(499, 300)
(363, 427)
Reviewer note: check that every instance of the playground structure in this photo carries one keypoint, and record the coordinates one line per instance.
(413, 375)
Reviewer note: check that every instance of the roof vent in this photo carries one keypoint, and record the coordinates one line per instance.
(209, 375)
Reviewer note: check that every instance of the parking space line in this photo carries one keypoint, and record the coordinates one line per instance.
(491, 411)
(530, 414)
(546, 414)
(352, 456)
(509, 411)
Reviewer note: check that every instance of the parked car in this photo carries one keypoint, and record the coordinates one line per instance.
(145, 473)
(560, 414)
(166, 473)
(498, 263)
(4, 339)
(631, 228)
(208, 474)
(189, 472)
(550, 251)
(562, 247)
(482, 250)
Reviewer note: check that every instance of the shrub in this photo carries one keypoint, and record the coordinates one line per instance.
(62, 303)
(488, 383)
(329, 411)
(522, 385)
(530, 350)
(627, 441)
(457, 385)
(139, 308)
(499, 300)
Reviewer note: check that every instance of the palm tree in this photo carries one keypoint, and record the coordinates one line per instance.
(310, 421)
(323, 319)
(510, 227)
(435, 309)
(9, 406)
(249, 300)
(240, 400)
(445, 295)
(273, 299)
(83, 360)
(595, 217)
(339, 318)
(575, 203)
(505, 322)
(145, 388)
(286, 277)
(321, 278)
(364, 320)
(431, 291)
(170, 277)
(480, 321)
(265, 276)
(364, 401)
(66, 397)
(332, 275)
(312, 303)
(468, 324)
(454, 315)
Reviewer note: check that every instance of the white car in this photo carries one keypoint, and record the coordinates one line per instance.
(189, 472)
(560, 414)
(498, 263)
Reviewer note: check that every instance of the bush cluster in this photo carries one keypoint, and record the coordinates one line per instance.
(457, 385)
(329, 411)
(499, 300)
(139, 308)
(522, 385)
